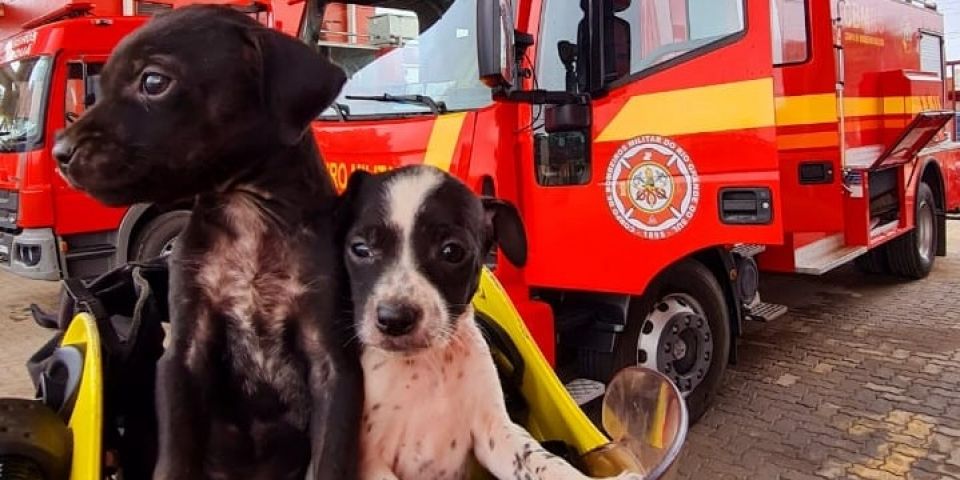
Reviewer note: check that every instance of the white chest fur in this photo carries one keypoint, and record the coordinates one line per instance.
(420, 410)
(425, 415)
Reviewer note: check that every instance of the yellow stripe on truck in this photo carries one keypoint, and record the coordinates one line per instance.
(743, 105)
(443, 140)
(806, 109)
(714, 108)
(822, 108)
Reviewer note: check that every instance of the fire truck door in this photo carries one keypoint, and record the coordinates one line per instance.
(682, 99)
(890, 83)
(71, 207)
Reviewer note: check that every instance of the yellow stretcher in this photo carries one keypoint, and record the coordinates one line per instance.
(87, 417)
(650, 428)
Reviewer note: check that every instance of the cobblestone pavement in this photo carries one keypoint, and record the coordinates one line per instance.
(860, 380)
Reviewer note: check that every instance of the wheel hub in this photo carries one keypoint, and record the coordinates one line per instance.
(679, 350)
(676, 340)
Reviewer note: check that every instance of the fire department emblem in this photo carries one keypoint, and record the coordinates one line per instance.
(652, 187)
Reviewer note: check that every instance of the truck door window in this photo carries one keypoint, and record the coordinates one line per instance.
(400, 47)
(560, 23)
(81, 90)
(24, 85)
(661, 30)
(931, 53)
(788, 22)
(562, 61)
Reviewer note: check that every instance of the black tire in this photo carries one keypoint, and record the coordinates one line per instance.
(912, 254)
(873, 262)
(158, 235)
(685, 281)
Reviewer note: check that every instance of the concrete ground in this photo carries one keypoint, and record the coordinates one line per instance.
(19, 335)
(860, 380)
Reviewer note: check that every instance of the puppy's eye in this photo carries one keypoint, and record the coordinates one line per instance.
(452, 253)
(361, 250)
(154, 84)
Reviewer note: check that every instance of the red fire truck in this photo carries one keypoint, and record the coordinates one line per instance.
(661, 152)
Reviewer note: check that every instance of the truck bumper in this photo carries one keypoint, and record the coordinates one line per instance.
(31, 253)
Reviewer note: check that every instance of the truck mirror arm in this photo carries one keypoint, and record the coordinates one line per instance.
(544, 97)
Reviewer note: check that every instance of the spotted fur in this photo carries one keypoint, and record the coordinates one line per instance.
(433, 399)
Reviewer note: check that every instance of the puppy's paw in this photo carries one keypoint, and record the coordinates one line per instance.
(629, 476)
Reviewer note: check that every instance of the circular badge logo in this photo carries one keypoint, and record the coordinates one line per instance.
(652, 187)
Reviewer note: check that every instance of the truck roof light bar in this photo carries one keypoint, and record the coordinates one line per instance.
(71, 10)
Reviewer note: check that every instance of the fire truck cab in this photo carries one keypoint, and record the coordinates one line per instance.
(48, 77)
(661, 153)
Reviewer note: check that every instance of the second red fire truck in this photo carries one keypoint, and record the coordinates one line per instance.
(661, 152)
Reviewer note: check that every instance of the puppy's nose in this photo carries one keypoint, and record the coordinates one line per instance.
(397, 319)
(63, 150)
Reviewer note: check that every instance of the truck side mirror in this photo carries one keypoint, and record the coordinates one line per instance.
(571, 117)
(495, 43)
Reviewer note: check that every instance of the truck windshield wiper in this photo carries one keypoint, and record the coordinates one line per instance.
(13, 144)
(18, 138)
(342, 109)
(434, 106)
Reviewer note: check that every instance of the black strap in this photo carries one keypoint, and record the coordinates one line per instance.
(84, 300)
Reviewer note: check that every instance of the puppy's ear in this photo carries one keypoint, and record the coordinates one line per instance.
(346, 203)
(504, 222)
(355, 184)
(297, 83)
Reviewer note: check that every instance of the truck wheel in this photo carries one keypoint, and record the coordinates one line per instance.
(912, 255)
(680, 328)
(34, 441)
(158, 236)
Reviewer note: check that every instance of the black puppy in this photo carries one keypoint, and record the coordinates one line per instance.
(258, 380)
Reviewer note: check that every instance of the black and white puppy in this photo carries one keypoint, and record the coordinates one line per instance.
(204, 104)
(414, 249)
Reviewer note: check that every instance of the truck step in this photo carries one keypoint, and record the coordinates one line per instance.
(584, 390)
(748, 250)
(825, 254)
(765, 312)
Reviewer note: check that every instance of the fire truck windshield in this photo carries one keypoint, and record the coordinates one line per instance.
(23, 93)
(419, 48)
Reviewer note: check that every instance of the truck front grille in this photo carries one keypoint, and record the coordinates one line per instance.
(6, 248)
(9, 206)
